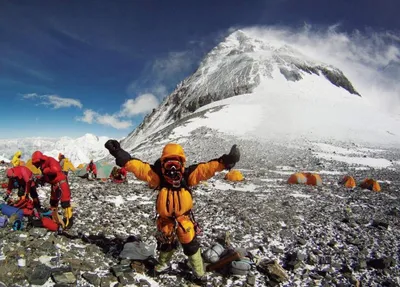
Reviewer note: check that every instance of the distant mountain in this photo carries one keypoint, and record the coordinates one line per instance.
(250, 87)
(79, 150)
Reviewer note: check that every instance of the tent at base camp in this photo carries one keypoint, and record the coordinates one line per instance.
(104, 170)
(371, 184)
(80, 166)
(305, 178)
(68, 166)
(234, 175)
(348, 182)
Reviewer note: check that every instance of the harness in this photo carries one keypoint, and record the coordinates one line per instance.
(164, 184)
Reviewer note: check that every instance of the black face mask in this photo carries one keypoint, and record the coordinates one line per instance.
(173, 176)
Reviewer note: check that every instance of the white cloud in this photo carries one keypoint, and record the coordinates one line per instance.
(173, 63)
(113, 121)
(56, 102)
(164, 72)
(90, 117)
(141, 105)
(371, 60)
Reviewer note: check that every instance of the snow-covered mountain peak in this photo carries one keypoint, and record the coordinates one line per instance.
(237, 66)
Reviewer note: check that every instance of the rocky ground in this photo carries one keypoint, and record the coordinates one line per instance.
(321, 236)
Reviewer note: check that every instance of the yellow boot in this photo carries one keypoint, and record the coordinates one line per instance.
(68, 218)
(164, 258)
(196, 262)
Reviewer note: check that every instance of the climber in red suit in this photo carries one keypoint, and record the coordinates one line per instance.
(53, 174)
(26, 186)
(91, 167)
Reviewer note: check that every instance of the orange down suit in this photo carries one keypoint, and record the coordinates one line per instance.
(174, 204)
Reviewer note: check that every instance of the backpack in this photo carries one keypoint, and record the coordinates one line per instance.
(213, 254)
(241, 267)
(244, 265)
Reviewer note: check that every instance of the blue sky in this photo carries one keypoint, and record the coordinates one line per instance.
(73, 67)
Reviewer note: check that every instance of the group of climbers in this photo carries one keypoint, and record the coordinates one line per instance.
(25, 181)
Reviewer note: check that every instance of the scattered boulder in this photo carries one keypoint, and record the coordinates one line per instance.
(274, 271)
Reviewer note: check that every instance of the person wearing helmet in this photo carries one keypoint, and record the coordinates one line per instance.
(26, 185)
(91, 167)
(16, 160)
(60, 191)
(174, 203)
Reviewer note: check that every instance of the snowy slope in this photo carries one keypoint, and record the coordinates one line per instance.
(79, 150)
(240, 65)
(284, 110)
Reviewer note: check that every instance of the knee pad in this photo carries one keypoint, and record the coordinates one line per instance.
(191, 248)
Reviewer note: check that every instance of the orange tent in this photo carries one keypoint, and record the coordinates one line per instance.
(313, 178)
(371, 184)
(297, 178)
(348, 181)
(234, 175)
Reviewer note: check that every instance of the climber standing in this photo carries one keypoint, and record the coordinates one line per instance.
(173, 179)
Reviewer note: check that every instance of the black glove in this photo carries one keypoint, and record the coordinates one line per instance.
(121, 156)
(229, 160)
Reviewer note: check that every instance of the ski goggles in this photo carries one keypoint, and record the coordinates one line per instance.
(172, 165)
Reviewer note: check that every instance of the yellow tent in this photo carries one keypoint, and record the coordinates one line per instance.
(80, 166)
(68, 165)
(234, 175)
(33, 168)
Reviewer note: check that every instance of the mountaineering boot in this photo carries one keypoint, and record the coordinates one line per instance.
(164, 258)
(68, 218)
(196, 262)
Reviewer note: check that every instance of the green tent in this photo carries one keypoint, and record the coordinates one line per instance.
(103, 170)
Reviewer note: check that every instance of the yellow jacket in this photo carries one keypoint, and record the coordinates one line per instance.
(16, 160)
(173, 202)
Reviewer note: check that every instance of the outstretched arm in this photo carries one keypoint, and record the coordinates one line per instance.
(143, 171)
(204, 171)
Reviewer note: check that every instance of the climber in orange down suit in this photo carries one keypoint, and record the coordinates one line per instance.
(174, 202)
